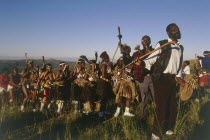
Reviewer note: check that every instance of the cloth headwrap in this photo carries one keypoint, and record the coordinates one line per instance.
(92, 61)
(30, 62)
(137, 48)
(80, 61)
(48, 65)
(62, 63)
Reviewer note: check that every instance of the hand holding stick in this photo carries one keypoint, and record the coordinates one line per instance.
(140, 58)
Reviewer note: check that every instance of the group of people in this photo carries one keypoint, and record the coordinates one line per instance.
(148, 73)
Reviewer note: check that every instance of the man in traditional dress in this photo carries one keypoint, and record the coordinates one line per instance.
(166, 67)
(47, 78)
(25, 82)
(88, 95)
(14, 84)
(77, 75)
(62, 79)
(125, 88)
(4, 79)
(104, 88)
(34, 86)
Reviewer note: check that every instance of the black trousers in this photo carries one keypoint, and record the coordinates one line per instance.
(166, 104)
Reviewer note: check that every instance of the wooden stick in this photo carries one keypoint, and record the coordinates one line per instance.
(119, 36)
(26, 58)
(172, 42)
(43, 61)
(115, 53)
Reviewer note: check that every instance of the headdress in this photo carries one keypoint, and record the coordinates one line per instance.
(137, 48)
(62, 63)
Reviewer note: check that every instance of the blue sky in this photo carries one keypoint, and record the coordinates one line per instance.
(69, 28)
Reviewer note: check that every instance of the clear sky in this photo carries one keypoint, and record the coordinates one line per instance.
(69, 28)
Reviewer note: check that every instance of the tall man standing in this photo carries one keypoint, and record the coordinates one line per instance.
(142, 75)
(166, 71)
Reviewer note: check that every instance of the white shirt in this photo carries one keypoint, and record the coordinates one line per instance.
(186, 70)
(174, 65)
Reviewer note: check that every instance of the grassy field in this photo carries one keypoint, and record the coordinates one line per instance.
(192, 120)
(69, 126)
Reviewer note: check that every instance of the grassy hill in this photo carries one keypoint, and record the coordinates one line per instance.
(20, 64)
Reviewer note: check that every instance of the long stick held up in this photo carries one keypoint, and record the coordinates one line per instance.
(140, 58)
(43, 61)
(119, 36)
(26, 58)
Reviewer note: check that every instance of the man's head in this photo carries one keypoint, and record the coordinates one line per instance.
(206, 53)
(145, 41)
(173, 31)
(49, 67)
(30, 64)
(36, 68)
(125, 49)
(137, 48)
(62, 65)
(186, 63)
(104, 56)
(92, 64)
(81, 63)
(15, 70)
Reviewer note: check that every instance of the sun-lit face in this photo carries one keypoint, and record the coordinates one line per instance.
(81, 64)
(92, 66)
(36, 69)
(145, 41)
(49, 68)
(174, 32)
(30, 65)
(62, 66)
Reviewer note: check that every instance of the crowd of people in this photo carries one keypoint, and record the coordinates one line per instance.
(149, 73)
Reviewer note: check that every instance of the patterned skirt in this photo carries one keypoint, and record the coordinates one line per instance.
(125, 89)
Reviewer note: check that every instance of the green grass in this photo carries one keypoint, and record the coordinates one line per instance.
(68, 126)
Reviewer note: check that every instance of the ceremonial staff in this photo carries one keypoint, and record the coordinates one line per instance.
(26, 58)
(43, 62)
(139, 58)
(119, 36)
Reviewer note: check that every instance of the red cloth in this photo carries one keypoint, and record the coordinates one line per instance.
(47, 92)
(11, 84)
(4, 80)
(204, 79)
(137, 54)
(138, 71)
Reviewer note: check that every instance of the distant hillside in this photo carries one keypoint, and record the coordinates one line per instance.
(20, 64)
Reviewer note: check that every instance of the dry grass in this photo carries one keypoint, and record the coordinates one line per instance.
(68, 126)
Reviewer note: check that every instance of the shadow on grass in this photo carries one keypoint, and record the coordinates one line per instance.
(202, 131)
(72, 129)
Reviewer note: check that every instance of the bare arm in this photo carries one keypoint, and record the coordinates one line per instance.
(58, 76)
